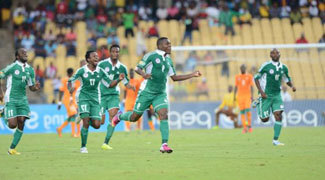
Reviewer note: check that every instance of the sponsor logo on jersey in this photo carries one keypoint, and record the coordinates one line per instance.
(85, 75)
(271, 71)
(157, 60)
(17, 72)
(107, 69)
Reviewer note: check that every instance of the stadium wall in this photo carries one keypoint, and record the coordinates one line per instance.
(46, 118)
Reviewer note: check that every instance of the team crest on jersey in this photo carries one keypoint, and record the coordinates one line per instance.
(17, 72)
(107, 69)
(271, 71)
(157, 60)
(85, 75)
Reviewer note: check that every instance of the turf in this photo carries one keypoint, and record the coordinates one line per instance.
(198, 154)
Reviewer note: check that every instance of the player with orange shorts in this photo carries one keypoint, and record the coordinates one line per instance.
(244, 86)
(69, 102)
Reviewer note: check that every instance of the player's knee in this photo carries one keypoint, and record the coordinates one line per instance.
(135, 117)
(12, 125)
(163, 116)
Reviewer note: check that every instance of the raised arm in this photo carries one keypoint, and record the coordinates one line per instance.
(185, 76)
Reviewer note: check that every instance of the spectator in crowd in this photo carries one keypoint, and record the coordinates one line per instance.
(173, 12)
(101, 17)
(321, 40)
(264, 11)
(254, 9)
(192, 10)
(191, 62)
(286, 97)
(71, 35)
(39, 76)
(71, 48)
(301, 40)
(275, 11)
(295, 16)
(202, 89)
(208, 57)
(153, 31)
(50, 36)
(103, 52)
(313, 9)
(226, 19)
(18, 20)
(285, 11)
(39, 48)
(145, 12)
(188, 29)
(92, 41)
(244, 16)
(62, 7)
(162, 13)
(128, 23)
(27, 42)
(223, 58)
(141, 42)
(213, 14)
(50, 71)
(113, 39)
(56, 83)
(81, 5)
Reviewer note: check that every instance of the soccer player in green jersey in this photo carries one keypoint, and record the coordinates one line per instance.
(19, 75)
(88, 95)
(110, 97)
(155, 67)
(268, 82)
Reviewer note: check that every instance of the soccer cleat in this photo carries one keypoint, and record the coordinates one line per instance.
(83, 150)
(255, 103)
(277, 143)
(250, 130)
(59, 132)
(106, 147)
(78, 119)
(116, 119)
(164, 148)
(13, 152)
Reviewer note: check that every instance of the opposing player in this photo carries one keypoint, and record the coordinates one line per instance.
(88, 95)
(110, 96)
(268, 82)
(19, 75)
(244, 96)
(69, 103)
(130, 96)
(155, 67)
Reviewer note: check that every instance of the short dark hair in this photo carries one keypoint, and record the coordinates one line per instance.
(114, 46)
(88, 54)
(69, 71)
(160, 40)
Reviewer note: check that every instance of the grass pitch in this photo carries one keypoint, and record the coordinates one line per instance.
(198, 154)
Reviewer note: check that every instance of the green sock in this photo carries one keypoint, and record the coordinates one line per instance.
(17, 135)
(164, 130)
(277, 129)
(84, 136)
(109, 133)
(126, 116)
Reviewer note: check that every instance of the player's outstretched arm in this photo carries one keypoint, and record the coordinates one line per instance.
(1, 92)
(35, 87)
(258, 85)
(186, 76)
(115, 82)
(292, 86)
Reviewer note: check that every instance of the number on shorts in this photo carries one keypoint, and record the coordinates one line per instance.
(92, 82)
(10, 113)
(84, 107)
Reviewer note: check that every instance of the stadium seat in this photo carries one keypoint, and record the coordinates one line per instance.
(48, 90)
(317, 28)
(61, 51)
(39, 61)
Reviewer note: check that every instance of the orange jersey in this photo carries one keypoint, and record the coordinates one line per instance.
(244, 82)
(65, 90)
(131, 96)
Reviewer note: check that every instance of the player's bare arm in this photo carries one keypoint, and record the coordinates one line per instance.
(142, 73)
(263, 95)
(235, 92)
(186, 76)
(292, 86)
(115, 82)
(70, 88)
(35, 87)
(1, 92)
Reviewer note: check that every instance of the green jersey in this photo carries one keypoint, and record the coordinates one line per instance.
(113, 74)
(270, 76)
(18, 76)
(90, 80)
(160, 67)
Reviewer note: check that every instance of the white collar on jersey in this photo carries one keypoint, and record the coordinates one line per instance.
(160, 52)
(116, 65)
(88, 70)
(276, 64)
(21, 64)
